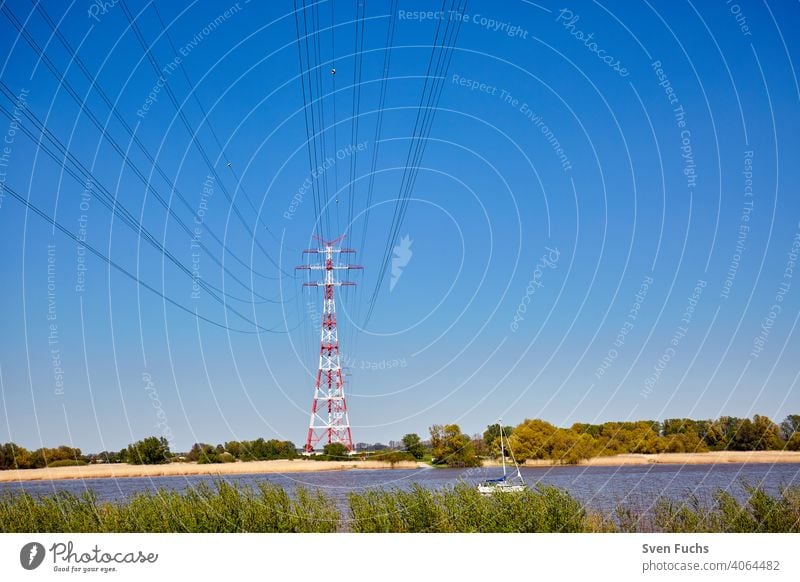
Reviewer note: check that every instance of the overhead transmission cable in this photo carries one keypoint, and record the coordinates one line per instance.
(82, 175)
(429, 101)
(207, 120)
(315, 157)
(193, 136)
(355, 114)
(61, 228)
(376, 142)
(320, 104)
(102, 127)
(335, 125)
(306, 88)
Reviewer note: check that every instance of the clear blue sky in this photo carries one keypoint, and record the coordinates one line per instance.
(576, 154)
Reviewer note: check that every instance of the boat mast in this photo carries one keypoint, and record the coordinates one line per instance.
(502, 448)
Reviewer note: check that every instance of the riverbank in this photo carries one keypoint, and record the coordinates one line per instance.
(123, 470)
(710, 458)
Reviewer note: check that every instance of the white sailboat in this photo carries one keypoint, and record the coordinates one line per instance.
(506, 483)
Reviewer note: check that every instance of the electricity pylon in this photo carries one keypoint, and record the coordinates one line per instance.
(329, 388)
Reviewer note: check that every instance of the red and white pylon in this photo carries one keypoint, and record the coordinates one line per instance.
(329, 419)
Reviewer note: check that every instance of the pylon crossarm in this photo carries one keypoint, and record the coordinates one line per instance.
(328, 268)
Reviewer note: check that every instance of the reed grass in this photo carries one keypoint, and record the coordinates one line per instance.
(223, 507)
(462, 509)
(759, 513)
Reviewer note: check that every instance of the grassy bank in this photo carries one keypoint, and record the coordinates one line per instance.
(462, 509)
(269, 508)
(222, 508)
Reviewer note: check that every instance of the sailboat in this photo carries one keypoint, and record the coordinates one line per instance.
(506, 483)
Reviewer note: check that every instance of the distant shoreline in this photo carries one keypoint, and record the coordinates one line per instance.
(710, 458)
(123, 470)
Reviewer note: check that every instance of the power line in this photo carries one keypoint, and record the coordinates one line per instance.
(207, 121)
(425, 114)
(58, 226)
(306, 114)
(387, 53)
(101, 127)
(358, 62)
(321, 104)
(110, 201)
(315, 158)
(335, 125)
(193, 135)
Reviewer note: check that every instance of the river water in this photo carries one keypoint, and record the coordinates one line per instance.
(599, 488)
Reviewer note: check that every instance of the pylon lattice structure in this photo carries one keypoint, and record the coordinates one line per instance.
(329, 419)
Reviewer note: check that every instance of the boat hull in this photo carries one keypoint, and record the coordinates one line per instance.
(496, 488)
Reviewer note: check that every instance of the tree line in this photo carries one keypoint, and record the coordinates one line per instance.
(149, 451)
(231, 451)
(448, 445)
(538, 439)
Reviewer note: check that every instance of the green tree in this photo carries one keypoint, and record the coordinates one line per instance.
(569, 447)
(593, 430)
(449, 446)
(13, 456)
(201, 453)
(149, 451)
(335, 451)
(731, 433)
(109, 457)
(532, 439)
(715, 437)
(790, 426)
(262, 450)
(492, 433)
(413, 445)
(393, 457)
(685, 442)
(235, 448)
(44, 456)
(766, 435)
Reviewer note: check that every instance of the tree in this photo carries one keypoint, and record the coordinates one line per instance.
(449, 446)
(149, 451)
(766, 435)
(492, 433)
(479, 446)
(261, 449)
(714, 436)
(532, 439)
(13, 456)
(235, 448)
(335, 450)
(790, 426)
(413, 444)
(109, 457)
(685, 442)
(393, 457)
(570, 447)
(593, 430)
(44, 456)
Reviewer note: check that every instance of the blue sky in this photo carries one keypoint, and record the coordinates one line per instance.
(603, 222)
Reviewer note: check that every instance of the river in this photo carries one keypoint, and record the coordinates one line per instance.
(599, 488)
